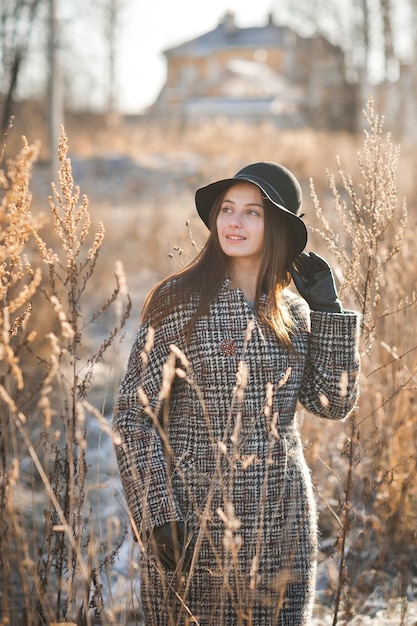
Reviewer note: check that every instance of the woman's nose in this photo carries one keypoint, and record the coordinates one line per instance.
(235, 220)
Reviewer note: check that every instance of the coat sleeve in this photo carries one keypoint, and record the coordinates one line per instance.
(138, 439)
(330, 386)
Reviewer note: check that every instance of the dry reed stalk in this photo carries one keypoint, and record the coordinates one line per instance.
(384, 485)
(55, 574)
(366, 241)
(19, 282)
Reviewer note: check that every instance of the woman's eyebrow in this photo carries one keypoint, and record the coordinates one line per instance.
(258, 204)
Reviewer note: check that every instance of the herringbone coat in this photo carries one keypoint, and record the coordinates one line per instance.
(208, 434)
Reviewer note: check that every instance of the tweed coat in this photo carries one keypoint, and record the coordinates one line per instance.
(207, 433)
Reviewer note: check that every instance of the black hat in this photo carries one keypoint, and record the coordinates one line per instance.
(275, 181)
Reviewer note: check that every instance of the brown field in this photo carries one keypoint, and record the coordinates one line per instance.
(67, 326)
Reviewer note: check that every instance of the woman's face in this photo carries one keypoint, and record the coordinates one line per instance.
(240, 223)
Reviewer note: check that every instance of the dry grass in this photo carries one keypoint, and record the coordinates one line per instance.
(55, 292)
(51, 564)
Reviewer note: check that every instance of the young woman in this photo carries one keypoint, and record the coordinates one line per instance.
(206, 436)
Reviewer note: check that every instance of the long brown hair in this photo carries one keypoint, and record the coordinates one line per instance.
(205, 275)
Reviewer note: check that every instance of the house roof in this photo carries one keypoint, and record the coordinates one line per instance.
(227, 35)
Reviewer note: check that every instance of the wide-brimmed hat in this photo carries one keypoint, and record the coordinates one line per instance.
(276, 183)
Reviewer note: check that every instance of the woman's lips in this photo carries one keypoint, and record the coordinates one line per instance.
(235, 238)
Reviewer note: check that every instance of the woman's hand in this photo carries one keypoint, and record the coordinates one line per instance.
(314, 280)
(171, 545)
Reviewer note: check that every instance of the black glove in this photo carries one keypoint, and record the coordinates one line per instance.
(314, 280)
(171, 545)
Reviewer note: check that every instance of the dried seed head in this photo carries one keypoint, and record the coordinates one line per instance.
(242, 375)
(249, 330)
(324, 400)
(168, 375)
(180, 355)
(343, 384)
(149, 342)
(67, 331)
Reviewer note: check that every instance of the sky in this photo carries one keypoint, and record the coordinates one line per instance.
(150, 26)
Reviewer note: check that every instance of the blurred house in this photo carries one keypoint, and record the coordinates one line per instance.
(257, 73)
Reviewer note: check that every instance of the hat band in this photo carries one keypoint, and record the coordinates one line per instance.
(265, 186)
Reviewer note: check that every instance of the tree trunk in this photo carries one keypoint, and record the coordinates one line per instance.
(56, 113)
